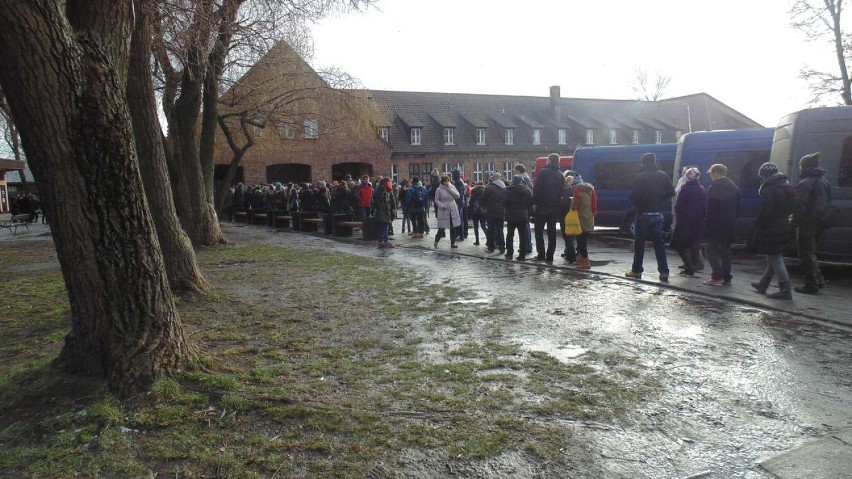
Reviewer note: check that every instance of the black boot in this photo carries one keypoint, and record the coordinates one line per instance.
(785, 292)
(761, 286)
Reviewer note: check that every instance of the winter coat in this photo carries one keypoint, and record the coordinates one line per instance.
(460, 187)
(475, 194)
(690, 208)
(548, 191)
(651, 189)
(493, 199)
(585, 202)
(365, 195)
(341, 201)
(772, 225)
(813, 194)
(448, 209)
(723, 208)
(518, 202)
(412, 194)
(385, 204)
(322, 200)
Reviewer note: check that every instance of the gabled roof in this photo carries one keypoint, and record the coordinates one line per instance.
(707, 113)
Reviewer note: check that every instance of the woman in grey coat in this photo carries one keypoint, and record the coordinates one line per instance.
(448, 211)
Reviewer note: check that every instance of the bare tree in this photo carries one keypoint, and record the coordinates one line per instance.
(65, 72)
(648, 90)
(820, 20)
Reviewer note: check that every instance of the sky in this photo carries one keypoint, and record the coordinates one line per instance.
(742, 52)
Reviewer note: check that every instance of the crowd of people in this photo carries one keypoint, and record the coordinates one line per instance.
(27, 204)
(703, 219)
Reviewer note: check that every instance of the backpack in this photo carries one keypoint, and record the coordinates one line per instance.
(419, 200)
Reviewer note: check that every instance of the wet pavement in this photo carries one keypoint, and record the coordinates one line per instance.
(752, 387)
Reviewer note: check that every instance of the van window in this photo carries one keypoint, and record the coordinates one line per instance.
(619, 175)
(844, 174)
(743, 166)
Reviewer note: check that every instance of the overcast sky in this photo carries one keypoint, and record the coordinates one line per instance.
(742, 52)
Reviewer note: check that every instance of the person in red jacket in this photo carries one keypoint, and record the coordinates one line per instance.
(365, 197)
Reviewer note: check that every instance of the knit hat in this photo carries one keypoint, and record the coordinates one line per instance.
(517, 180)
(809, 161)
(649, 159)
(766, 170)
(692, 173)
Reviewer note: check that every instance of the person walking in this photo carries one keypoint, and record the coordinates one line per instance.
(417, 199)
(547, 193)
(384, 202)
(448, 211)
(585, 202)
(493, 200)
(518, 203)
(651, 190)
(813, 194)
(772, 228)
(723, 208)
(690, 208)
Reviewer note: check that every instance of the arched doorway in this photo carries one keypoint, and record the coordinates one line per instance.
(340, 170)
(288, 172)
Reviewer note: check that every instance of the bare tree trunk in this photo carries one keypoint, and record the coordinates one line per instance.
(177, 250)
(65, 82)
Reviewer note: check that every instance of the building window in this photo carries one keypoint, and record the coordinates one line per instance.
(678, 134)
(384, 133)
(395, 173)
(658, 136)
(562, 137)
(536, 136)
(590, 136)
(449, 135)
(480, 136)
(460, 167)
(446, 168)
(613, 137)
(477, 172)
(311, 130)
(286, 130)
(489, 167)
(509, 137)
(415, 136)
(426, 168)
(507, 170)
(635, 137)
(413, 170)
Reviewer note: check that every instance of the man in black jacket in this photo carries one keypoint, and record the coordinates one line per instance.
(651, 190)
(813, 193)
(546, 195)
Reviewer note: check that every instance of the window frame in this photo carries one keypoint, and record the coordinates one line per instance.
(536, 136)
(613, 136)
(416, 136)
(635, 137)
(509, 136)
(449, 136)
(480, 136)
(384, 133)
(562, 136)
(477, 172)
(311, 127)
(658, 136)
(590, 136)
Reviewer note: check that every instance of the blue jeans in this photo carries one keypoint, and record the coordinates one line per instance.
(649, 225)
(383, 232)
(495, 235)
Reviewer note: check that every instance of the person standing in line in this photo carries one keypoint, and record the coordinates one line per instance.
(813, 194)
(690, 208)
(476, 212)
(365, 197)
(723, 208)
(651, 189)
(461, 204)
(406, 217)
(493, 199)
(446, 196)
(518, 203)
(384, 202)
(521, 170)
(585, 202)
(417, 199)
(546, 195)
(772, 228)
(572, 178)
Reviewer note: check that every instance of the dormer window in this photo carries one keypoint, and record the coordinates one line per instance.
(536, 136)
(590, 136)
(562, 137)
(449, 136)
(613, 137)
(635, 137)
(384, 133)
(480, 136)
(509, 137)
(415, 136)
(658, 136)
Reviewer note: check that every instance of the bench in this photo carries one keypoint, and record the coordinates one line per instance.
(312, 224)
(282, 220)
(240, 216)
(346, 228)
(16, 221)
(257, 216)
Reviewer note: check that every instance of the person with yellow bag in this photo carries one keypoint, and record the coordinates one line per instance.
(584, 207)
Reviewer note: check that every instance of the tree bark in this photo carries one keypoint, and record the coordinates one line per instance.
(177, 249)
(65, 81)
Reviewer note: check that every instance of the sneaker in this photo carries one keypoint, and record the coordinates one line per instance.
(633, 274)
(715, 281)
(687, 273)
(539, 258)
(807, 289)
(664, 276)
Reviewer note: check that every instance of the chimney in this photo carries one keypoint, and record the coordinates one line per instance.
(555, 107)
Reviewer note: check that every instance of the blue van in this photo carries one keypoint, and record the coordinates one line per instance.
(742, 151)
(612, 169)
(829, 131)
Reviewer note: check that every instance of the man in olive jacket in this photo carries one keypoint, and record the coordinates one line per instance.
(651, 190)
(813, 193)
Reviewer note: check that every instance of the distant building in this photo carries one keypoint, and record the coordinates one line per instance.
(416, 132)
(10, 181)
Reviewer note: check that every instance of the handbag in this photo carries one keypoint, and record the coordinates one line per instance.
(572, 223)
